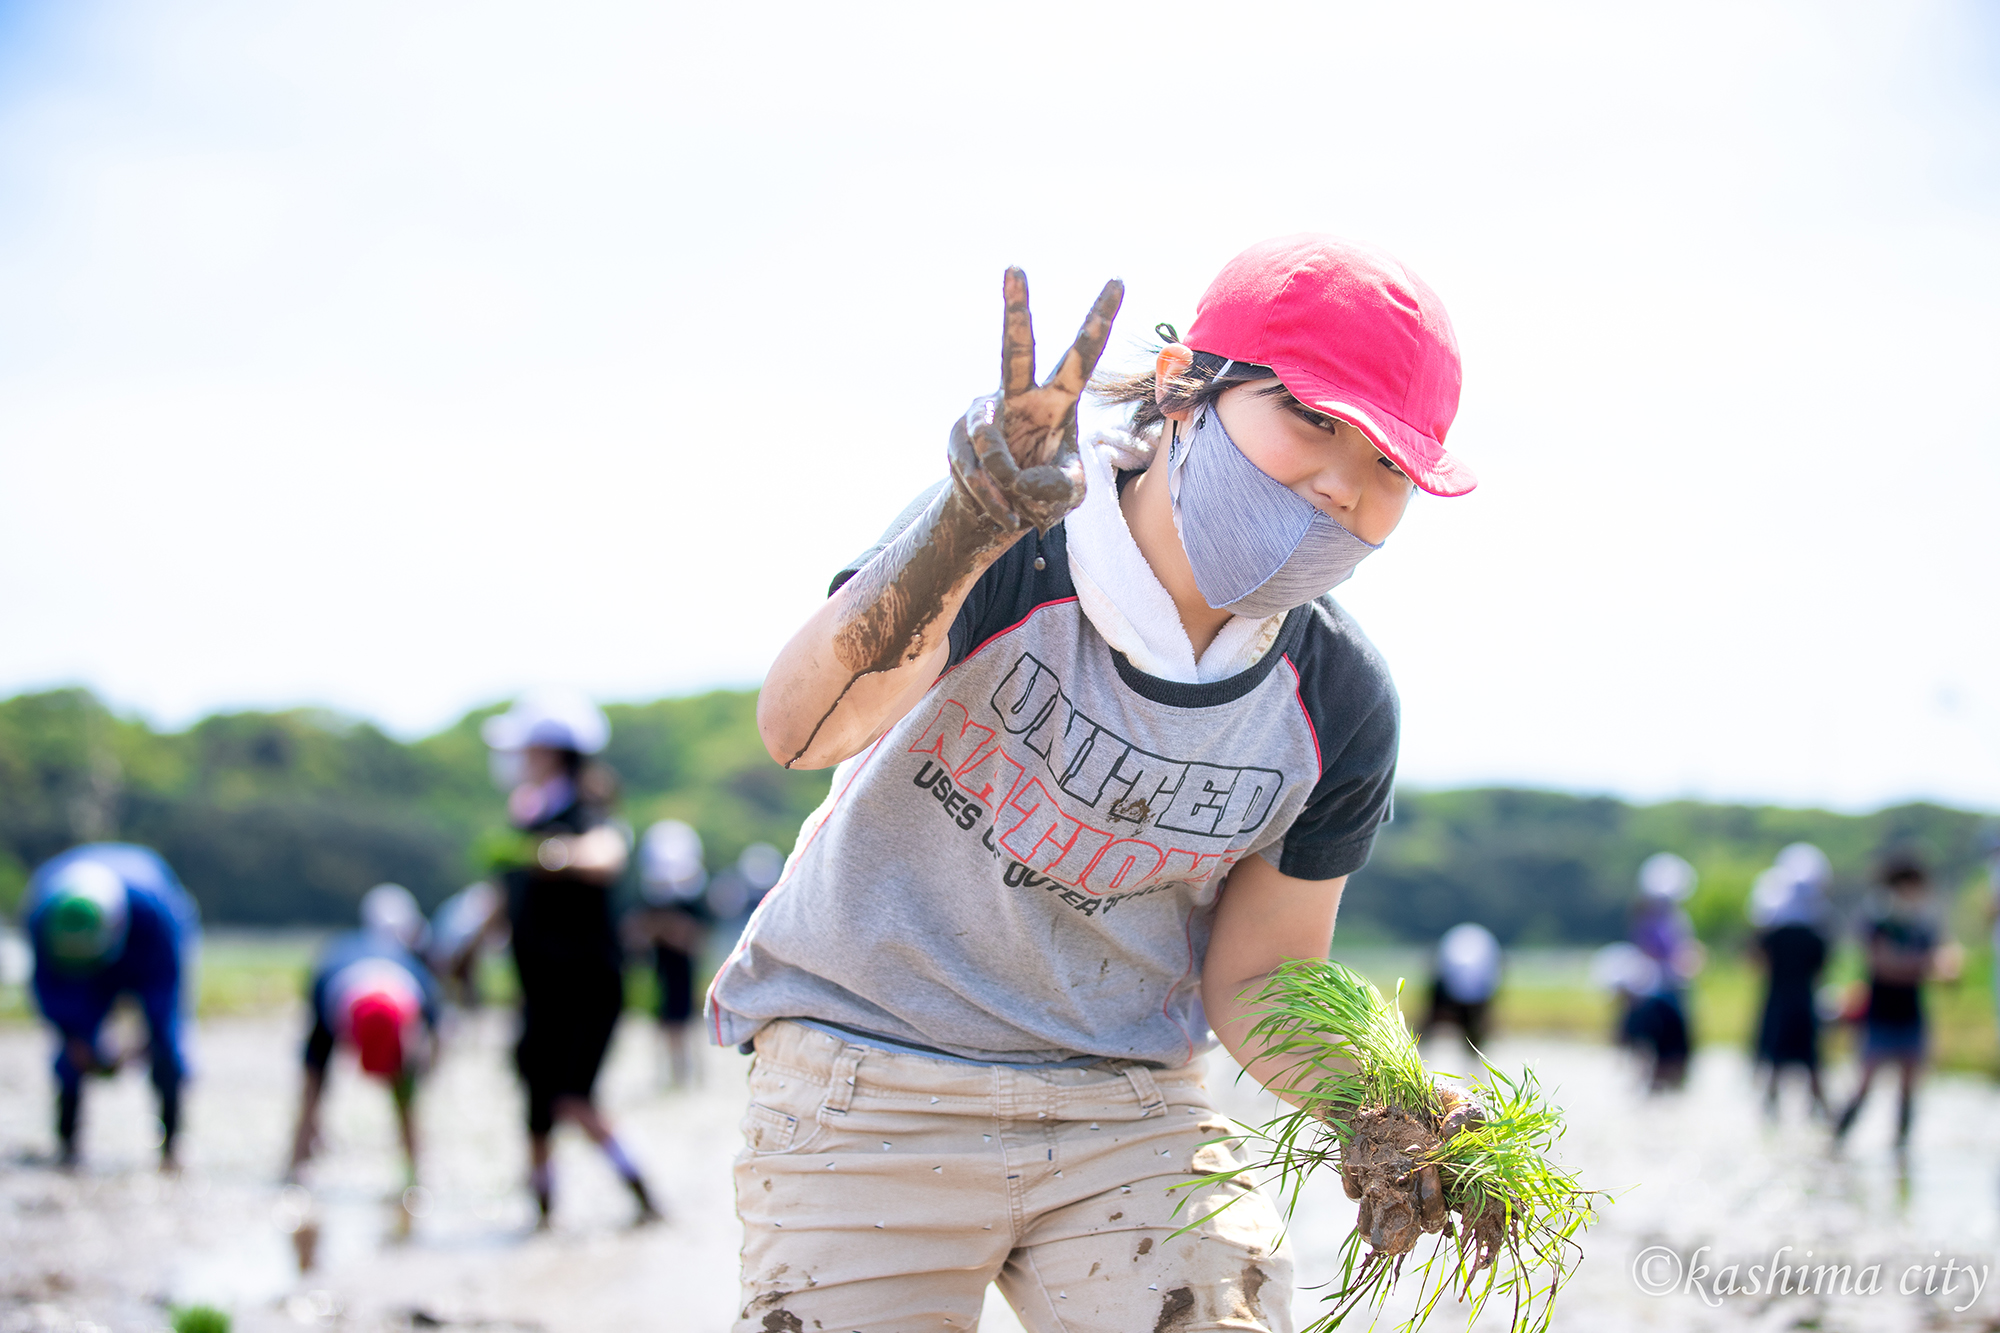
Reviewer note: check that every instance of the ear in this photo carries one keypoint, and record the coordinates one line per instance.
(1174, 359)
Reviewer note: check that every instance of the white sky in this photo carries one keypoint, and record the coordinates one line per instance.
(392, 357)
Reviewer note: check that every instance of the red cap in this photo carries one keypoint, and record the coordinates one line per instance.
(376, 1022)
(1352, 333)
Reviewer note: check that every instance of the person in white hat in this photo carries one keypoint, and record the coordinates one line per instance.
(559, 917)
(674, 923)
(1468, 976)
(1657, 1021)
(1788, 911)
(464, 929)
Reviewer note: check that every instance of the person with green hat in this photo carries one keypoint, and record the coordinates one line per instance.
(105, 920)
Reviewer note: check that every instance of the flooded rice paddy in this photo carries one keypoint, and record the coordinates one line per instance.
(1700, 1179)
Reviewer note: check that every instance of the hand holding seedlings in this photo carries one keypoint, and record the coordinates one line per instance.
(1396, 1161)
(1413, 1150)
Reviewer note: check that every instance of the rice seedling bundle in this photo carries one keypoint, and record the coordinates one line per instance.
(1465, 1160)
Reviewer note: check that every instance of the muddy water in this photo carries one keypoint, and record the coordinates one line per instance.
(113, 1243)
(110, 1246)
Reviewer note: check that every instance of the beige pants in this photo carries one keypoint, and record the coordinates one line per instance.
(883, 1192)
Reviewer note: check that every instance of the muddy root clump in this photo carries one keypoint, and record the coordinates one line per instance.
(1388, 1162)
(1383, 1165)
(1469, 1162)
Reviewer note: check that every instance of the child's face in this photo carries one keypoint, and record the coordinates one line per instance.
(1328, 463)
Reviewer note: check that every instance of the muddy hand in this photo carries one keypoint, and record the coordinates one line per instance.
(1015, 452)
(1013, 463)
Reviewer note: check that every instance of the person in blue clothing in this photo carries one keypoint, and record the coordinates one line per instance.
(371, 991)
(106, 920)
(1656, 1024)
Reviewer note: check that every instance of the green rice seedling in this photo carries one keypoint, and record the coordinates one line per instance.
(1413, 1149)
(200, 1319)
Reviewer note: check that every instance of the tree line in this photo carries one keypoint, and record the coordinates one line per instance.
(285, 818)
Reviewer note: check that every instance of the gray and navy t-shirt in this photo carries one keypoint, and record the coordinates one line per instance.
(1024, 868)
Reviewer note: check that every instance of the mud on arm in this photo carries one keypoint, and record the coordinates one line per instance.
(865, 657)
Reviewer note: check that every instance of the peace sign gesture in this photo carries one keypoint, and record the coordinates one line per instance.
(1015, 451)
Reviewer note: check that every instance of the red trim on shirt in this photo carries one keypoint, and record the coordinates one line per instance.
(1312, 731)
(743, 941)
(1000, 633)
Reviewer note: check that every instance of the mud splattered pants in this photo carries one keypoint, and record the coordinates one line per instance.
(882, 1192)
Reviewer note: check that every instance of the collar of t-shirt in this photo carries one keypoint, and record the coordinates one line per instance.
(1126, 602)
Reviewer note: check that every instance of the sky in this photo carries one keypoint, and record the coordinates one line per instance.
(393, 358)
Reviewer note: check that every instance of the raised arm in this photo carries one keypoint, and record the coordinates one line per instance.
(868, 654)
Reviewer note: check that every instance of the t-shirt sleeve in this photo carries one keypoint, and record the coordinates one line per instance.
(1335, 833)
(1351, 703)
(1034, 570)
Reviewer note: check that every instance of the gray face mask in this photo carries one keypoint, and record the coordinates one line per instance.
(1257, 547)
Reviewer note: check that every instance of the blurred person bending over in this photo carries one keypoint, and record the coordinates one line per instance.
(1468, 975)
(371, 992)
(559, 915)
(1657, 1021)
(1902, 933)
(1788, 910)
(107, 920)
(674, 923)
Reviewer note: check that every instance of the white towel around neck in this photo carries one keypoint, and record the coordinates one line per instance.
(1126, 601)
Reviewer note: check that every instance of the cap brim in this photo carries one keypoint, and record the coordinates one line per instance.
(1422, 459)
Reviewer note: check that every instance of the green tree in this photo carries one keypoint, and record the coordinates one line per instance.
(290, 816)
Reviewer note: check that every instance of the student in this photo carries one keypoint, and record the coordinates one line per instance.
(1990, 844)
(559, 918)
(1468, 975)
(1107, 755)
(674, 924)
(1787, 908)
(1900, 931)
(1657, 1021)
(108, 919)
(736, 890)
(371, 992)
(464, 929)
